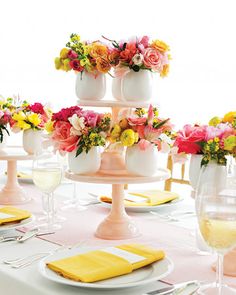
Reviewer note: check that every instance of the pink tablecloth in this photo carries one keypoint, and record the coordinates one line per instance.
(178, 243)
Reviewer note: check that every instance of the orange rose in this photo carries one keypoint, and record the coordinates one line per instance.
(98, 50)
(103, 65)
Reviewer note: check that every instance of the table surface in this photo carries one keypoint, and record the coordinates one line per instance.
(176, 238)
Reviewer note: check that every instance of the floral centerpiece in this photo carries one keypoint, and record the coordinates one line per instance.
(31, 119)
(90, 60)
(80, 133)
(134, 61)
(144, 134)
(5, 119)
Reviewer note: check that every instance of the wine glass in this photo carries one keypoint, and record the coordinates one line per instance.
(216, 212)
(47, 175)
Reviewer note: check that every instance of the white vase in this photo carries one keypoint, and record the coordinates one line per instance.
(4, 140)
(142, 162)
(32, 141)
(90, 87)
(212, 171)
(116, 88)
(85, 163)
(137, 86)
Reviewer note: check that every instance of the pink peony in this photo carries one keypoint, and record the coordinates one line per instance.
(91, 118)
(64, 141)
(72, 54)
(187, 139)
(152, 59)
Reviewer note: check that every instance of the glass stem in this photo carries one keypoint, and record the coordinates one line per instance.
(219, 274)
(75, 198)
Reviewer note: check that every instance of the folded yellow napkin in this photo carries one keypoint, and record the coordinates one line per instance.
(99, 265)
(153, 198)
(18, 215)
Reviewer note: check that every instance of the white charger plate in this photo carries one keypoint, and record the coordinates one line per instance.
(139, 277)
(23, 222)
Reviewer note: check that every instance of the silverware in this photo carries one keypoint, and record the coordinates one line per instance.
(171, 217)
(176, 289)
(25, 236)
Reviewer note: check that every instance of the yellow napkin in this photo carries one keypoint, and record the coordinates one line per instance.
(18, 215)
(153, 197)
(98, 265)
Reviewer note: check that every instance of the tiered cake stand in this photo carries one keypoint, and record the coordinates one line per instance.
(12, 193)
(118, 224)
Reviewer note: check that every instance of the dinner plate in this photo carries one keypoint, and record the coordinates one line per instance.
(18, 224)
(170, 205)
(139, 277)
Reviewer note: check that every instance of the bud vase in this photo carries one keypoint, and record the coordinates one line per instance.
(142, 162)
(137, 86)
(85, 163)
(32, 141)
(90, 86)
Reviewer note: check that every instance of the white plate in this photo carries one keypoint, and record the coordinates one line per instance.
(142, 276)
(24, 222)
(170, 205)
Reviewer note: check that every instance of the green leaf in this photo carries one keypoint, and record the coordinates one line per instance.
(158, 125)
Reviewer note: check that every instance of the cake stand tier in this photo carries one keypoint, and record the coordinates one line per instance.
(12, 193)
(118, 225)
(113, 103)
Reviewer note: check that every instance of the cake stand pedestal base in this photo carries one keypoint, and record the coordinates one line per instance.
(118, 225)
(12, 193)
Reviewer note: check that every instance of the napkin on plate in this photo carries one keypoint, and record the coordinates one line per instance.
(100, 265)
(150, 198)
(12, 215)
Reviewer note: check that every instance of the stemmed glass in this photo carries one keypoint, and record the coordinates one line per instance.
(47, 175)
(216, 211)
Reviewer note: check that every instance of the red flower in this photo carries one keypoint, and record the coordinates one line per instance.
(66, 113)
(75, 65)
(37, 108)
(187, 139)
(72, 54)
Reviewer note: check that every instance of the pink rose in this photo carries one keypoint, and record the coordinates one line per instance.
(72, 54)
(188, 139)
(152, 59)
(64, 141)
(91, 118)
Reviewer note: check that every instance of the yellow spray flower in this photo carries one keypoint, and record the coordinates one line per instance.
(34, 119)
(214, 121)
(229, 117)
(19, 116)
(64, 53)
(75, 38)
(115, 133)
(160, 45)
(165, 70)
(85, 62)
(230, 143)
(49, 126)
(128, 137)
(23, 125)
(66, 65)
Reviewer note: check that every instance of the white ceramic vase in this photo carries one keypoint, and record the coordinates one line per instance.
(90, 87)
(116, 88)
(137, 86)
(4, 140)
(32, 141)
(85, 163)
(212, 171)
(142, 162)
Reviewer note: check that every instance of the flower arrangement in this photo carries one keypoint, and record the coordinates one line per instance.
(142, 128)
(139, 53)
(92, 57)
(214, 141)
(77, 129)
(30, 116)
(6, 107)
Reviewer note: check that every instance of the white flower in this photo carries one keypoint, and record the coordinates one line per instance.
(138, 59)
(77, 124)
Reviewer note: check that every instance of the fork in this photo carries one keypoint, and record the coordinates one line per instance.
(170, 217)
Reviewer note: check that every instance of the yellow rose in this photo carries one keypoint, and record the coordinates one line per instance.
(64, 53)
(160, 45)
(128, 137)
(49, 126)
(97, 49)
(230, 143)
(103, 66)
(19, 116)
(229, 117)
(23, 125)
(215, 121)
(58, 63)
(34, 119)
(165, 70)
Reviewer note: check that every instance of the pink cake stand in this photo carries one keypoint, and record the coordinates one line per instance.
(12, 193)
(118, 225)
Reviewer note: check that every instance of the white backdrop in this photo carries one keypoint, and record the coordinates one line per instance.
(201, 34)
